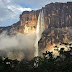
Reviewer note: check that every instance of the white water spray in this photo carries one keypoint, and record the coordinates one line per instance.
(39, 30)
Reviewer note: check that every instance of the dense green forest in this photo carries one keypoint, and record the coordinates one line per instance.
(62, 63)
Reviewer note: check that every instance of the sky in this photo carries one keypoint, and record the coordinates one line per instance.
(10, 10)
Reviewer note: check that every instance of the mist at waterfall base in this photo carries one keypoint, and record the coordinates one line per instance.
(17, 46)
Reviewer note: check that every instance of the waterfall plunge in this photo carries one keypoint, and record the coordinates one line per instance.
(39, 30)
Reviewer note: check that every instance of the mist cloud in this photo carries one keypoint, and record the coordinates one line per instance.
(17, 46)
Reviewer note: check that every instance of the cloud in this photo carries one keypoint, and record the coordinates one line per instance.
(17, 46)
(10, 12)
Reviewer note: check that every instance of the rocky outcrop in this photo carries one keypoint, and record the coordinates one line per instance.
(29, 20)
(13, 29)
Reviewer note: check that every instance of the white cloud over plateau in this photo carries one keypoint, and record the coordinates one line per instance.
(10, 12)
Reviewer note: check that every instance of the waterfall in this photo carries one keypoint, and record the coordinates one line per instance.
(40, 28)
(42, 22)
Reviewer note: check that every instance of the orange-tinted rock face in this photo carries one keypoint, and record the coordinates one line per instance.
(32, 19)
(28, 21)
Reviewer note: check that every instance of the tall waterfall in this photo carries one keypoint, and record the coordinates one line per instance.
(39, 30)
(42, 22)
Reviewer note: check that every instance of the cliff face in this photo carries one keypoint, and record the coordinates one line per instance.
(28, 21)
(57, 15)
(58, 21)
